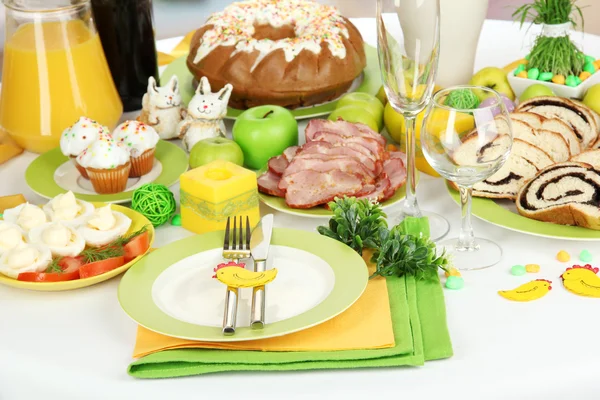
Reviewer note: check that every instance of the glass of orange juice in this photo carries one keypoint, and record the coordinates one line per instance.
(54, 72)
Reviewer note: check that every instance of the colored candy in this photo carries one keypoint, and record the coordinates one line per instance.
(520, 68)
(533, 73)
(545, 76)
(585, 256)
(571, 81)
(590, 67)
(176, 220)
(578, 80)
(589, 59)
(563, 256)
(522, 74)
(559, 79)
(584, 75)
(452, 272)
(532, 268)
(455, 282)
(518, 270)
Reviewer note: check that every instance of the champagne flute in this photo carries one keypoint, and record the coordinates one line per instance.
(466, 146)
(409, 45)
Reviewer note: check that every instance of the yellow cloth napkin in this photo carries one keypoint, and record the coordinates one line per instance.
(180, 50)
(367, 324)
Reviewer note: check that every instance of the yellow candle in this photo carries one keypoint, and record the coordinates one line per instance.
(215, 191)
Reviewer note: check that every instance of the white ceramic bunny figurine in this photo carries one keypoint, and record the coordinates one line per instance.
(161, 108)
(205, 114)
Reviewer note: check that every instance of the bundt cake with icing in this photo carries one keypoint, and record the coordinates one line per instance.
(290, 53)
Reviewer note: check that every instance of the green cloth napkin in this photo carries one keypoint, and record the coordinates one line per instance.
(421, 334)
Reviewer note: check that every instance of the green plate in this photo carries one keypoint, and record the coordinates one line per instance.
(345, 270)
(278, 203)
(490, 211)
(40, 175)
(371, 83)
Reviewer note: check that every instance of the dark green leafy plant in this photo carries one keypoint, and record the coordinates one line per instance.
(406, 254)
(358, 224)
(558, 55)
(549, 12)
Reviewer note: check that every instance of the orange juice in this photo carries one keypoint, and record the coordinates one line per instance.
(54, 72)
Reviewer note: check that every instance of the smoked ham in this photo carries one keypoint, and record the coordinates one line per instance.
(339, 159)
(269, 183)
(308, 188)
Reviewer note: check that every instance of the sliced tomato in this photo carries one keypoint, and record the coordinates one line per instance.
(136, 246)
(100, 267)
(69, 265)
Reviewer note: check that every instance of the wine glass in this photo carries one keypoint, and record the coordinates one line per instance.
(467, 145)
(409, 45)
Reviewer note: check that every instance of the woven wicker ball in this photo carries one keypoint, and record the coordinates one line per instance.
(463, 99)
(155, 202)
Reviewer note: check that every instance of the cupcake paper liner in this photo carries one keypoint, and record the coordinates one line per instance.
(81, 170)
(109, 181)
(143, 164)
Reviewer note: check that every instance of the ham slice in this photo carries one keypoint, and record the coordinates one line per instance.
(325, 163)
(378, 190)
(326, 148)
(395, 170)
(308, 188)
(371, 145)
(269, 183)
(340, 127)
(278, 164)
(290, 153)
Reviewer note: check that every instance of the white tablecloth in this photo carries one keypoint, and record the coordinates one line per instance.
(77, 344)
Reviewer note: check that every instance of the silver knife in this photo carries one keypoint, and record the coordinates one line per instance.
(260, 240)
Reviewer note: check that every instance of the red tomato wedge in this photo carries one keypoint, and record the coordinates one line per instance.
(136, 246)
(100, 267)
(69, 265)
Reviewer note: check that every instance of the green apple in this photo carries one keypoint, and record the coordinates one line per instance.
(355, 114)
(493, 78)
(382, 95)
(366, 101)
(592, 98)
(217, 148)
(535, 90)
(264, 132)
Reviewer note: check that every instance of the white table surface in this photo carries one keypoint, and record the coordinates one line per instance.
(77, 344)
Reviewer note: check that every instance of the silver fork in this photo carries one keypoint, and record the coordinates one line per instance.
(235, 248)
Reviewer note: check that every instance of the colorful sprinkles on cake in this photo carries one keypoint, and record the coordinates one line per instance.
(313, 24)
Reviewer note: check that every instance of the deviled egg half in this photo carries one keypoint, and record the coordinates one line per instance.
(26, 215)
(69, 210)
(11, 236)
(25, 258)
(104, 226)
(61, 239)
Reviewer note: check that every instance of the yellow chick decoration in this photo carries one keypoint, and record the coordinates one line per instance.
(236, 276)
(582, 280)
(529, 291)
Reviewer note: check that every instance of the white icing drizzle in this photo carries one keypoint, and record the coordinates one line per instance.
(313, 24)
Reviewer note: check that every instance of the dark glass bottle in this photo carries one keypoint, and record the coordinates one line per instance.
(127, 34)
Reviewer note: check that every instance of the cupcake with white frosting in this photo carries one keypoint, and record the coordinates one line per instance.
(67, 209)
(62, 240)
(25, 258)
(107, 165)
(140, 139)
(104, 226)
(11, 236)
(26, 216)
(78, 136)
